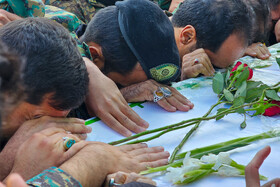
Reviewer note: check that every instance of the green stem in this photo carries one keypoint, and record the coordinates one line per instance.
(177, 125)
(160, 134)
(152, 131)
(215, 149)
(179, 147)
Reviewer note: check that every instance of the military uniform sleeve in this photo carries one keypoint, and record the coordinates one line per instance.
(53, 177)
(82, 46)
(69, 20)
(24, 8)
(83, 9)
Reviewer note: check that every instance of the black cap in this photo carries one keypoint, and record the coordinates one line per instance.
(149, 34)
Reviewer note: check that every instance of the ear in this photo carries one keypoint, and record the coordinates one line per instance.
(188, 35)
(96, 53)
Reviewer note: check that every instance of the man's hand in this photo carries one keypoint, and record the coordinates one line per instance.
(252, 170)
(43, 150)
(106, 101)
(28, 128)
(14, 180)
(6, 17)
(277, 31)
(96, 160)
(144, 92)
(195, 63)
(124, 178)
(258, 50)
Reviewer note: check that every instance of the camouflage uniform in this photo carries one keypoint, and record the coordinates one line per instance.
(36, 8)
(83, 9)
(24, 8)
(86, 9)
(54, 177)
(164, 4)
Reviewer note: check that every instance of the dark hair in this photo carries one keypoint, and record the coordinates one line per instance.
(53, 62)
(214, 21)
(104, 30)
(273, 4)
(261, 26)
(11, 90)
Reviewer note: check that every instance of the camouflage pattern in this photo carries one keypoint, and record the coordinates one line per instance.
(83, 9)
(36, 8)
(82, 46)
(86, 9)
(53, 177)
(68, 20)
(24, 8)
(164, 4)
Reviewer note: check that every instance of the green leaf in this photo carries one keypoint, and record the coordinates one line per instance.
(221, 110)
(238, 101)
(241, 90)
(242, 77)
(218, 83)
(228, 95)
(255, 93)
(278, 61)
(240, 111)
(253, 84)
(220, 117)
(260, 108)
(272, 94)
(243, 125)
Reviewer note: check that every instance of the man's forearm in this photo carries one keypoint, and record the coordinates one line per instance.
(88, 171)
(6, 166)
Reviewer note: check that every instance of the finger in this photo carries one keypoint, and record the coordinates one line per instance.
(145, 150)
(72, 125)
(58, 140)
(207, 64)
(151, 157)
(201, 69)
(111, 122)
(132, 177)
(274, 182)
(15, 180)
(75, 128)
(120, 177)
(177, 104)
(128, 148)
(252, 169)
(264, 54)
(81, 136)
(52, 130)
(212, 70)
(146, 181)
(165, 105)
(145, 165)
(2, 185)
(62, 120)
(267, 50)
(181, 98)
(127, 123)
(74, 150)
(133, 116)
(251, 52)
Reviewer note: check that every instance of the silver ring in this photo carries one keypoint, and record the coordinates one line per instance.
(261, 45)
(166, 91)
(158, 95)
(112, 183)
(196, 61)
